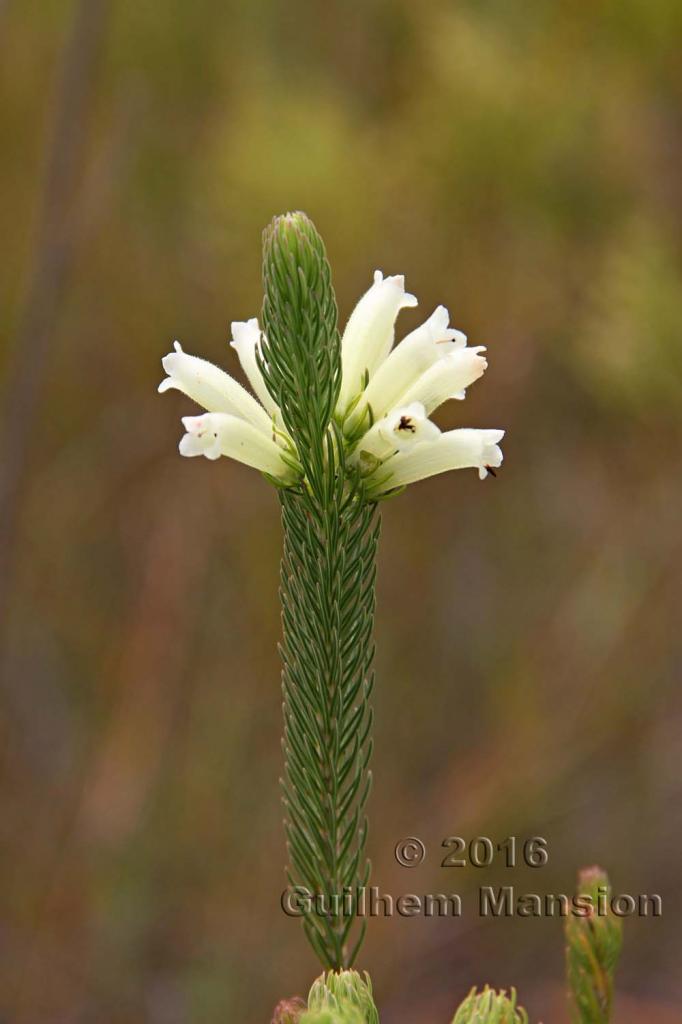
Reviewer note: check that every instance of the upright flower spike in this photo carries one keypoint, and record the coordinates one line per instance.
(336, 424)
(593, 945)
(334, 408)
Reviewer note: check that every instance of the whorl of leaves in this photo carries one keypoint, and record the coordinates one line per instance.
(593, 945)
(327, 591)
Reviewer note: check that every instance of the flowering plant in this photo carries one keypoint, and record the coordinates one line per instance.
(337, 423)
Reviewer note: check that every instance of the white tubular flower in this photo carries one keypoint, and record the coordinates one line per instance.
(454, 449)
(218, 433)
(396, 391)
(212, 388)
(246, 339)
(399, 430)
(369, 333)
(423, 347)
(448, 378)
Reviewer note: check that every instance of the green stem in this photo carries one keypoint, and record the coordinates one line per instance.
(327, 591)
(328, 600)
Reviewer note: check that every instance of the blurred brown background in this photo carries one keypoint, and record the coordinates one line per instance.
(521, 164)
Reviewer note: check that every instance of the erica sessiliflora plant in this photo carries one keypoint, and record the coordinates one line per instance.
(337, 422)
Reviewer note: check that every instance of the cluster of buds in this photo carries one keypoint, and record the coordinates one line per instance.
(386, 395)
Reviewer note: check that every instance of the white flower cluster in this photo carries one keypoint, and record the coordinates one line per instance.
(387, 396)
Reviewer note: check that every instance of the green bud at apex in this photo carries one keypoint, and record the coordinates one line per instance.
(490, 1007)
(593, 944)
(300, 358)
(341, 998)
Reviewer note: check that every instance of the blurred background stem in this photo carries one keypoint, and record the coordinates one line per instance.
(48, 276)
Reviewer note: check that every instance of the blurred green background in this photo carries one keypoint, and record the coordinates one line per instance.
(519, 163)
